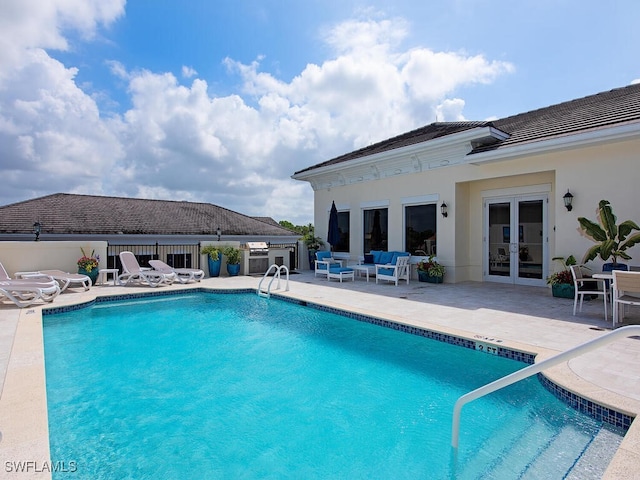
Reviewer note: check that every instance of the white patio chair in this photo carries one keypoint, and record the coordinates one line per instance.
(626, 291)
(394, 272)
(585, 286)
(325, 262)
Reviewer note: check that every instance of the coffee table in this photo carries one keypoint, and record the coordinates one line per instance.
(366, 269)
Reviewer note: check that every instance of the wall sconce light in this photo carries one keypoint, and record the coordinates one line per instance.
(568, 200)
(37, 228)
(443, 210)
(219, 232)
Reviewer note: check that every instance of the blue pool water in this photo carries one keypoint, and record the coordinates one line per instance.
(236, 386)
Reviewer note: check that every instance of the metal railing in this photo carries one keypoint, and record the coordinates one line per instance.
(277, 269)
(586, 347)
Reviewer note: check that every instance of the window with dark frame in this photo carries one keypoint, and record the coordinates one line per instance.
(343, 227)
(420, 229)
(376, 229)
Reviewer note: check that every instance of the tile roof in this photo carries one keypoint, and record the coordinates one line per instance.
(602, 110)
(63, 213)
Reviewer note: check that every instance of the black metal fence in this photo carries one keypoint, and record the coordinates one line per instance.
(178, 256)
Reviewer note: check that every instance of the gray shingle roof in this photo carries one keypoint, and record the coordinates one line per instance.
(63, 213)
(602, 110)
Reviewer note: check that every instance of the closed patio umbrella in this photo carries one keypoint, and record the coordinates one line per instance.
(333, 234)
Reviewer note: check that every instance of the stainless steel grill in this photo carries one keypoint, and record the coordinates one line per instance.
(257, 249)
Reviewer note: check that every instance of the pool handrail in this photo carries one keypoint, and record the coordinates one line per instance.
(278, 268)
(628, 331)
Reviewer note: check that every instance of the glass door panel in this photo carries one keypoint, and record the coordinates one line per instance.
(515, 240)
(530, 239)
(499, 243)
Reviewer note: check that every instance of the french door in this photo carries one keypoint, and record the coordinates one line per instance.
(515, 239)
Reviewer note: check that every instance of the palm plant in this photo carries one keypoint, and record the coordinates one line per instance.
(612, 240)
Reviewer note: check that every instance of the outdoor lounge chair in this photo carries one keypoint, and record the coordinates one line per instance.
(26, 293)
(393, 272)
(183, 275)
(134, 274)
(324, 262)
(64, 279)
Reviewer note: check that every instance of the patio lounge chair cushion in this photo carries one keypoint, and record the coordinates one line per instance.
(323, 256)
(324, 262)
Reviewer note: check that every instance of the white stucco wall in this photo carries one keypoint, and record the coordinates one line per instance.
(34, 256)
(608, 171)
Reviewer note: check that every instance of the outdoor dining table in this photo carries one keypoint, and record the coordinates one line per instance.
(608, 277)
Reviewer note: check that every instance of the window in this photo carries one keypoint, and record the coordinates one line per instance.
(343, 227)
(420, 229)
(376, 229)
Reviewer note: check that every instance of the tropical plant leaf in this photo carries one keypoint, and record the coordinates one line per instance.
(592, 253)
(607, 248)
(592, 229)
(625, 228)
(608, 219)
(623, 255)
(630, 242)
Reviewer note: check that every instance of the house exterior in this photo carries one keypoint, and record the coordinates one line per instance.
(487, 197)
(170, 230)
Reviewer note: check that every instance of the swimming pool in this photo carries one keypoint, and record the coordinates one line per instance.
(235, 386)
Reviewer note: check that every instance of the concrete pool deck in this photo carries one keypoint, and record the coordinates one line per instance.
(518, 317)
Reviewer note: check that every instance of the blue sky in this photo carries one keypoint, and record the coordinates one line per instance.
(222, 101)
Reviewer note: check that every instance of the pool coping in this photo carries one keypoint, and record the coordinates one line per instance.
(26, 435)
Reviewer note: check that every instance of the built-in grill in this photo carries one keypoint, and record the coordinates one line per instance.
(257, 249)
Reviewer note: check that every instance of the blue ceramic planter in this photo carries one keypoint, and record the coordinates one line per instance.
(93, 274)
(233, 269)
(214, 267)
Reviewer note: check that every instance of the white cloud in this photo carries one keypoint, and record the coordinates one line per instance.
(188, 72)
(177, 141)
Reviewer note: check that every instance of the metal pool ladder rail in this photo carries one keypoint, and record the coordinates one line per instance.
(526, 372)
(278, 269)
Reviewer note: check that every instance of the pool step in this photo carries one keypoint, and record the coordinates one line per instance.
(500, 445)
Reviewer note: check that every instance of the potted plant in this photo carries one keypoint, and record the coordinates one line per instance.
(88, 265)
(214, 260)
(562, 281)
(612, 241)
(313, 244)
(430, 271)
(233, 256)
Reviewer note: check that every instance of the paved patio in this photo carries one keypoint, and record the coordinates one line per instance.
(524, 318)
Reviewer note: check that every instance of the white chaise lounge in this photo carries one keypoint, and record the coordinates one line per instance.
(134, 274)
(64, 279)
(25, 292)
(183, 275)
